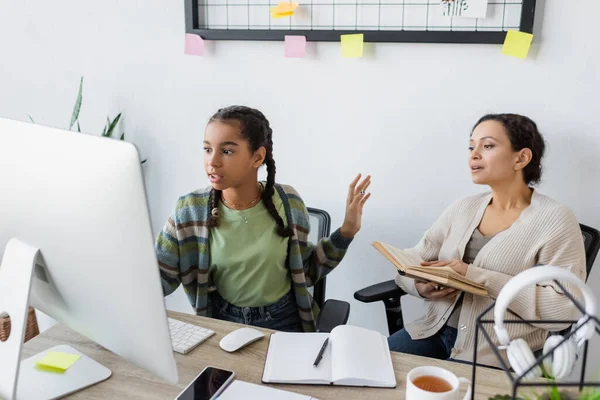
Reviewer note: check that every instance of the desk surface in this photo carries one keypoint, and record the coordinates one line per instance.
(131, 382)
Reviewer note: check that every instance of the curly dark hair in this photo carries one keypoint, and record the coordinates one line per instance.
(257, 131)
(523, 133)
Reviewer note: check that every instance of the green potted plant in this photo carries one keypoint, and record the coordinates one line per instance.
(110, 126)
(555, 394)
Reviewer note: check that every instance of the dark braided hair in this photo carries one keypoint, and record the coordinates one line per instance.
(255, 127)
(523, 133)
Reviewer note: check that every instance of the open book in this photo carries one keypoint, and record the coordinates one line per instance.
(409, 264)
(353, 357)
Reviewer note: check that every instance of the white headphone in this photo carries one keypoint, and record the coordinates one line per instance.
(521, 358)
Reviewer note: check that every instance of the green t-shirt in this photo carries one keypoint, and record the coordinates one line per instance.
(248, 259)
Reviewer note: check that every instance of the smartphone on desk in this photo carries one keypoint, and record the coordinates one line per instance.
(209, 384)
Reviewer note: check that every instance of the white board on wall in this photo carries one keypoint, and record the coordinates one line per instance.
(363, 15)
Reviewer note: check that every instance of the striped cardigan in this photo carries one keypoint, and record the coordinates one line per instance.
(183, 251)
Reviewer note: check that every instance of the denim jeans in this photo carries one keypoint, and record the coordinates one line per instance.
(437, 346)
(281, 315)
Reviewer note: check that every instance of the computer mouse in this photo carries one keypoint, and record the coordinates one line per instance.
(239, 338)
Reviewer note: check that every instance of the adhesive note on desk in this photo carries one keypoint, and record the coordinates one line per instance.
(517, 44)
(352, 45)
(55, 361)
(283, 9)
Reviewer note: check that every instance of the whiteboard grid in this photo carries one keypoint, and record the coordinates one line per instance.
(355, 15)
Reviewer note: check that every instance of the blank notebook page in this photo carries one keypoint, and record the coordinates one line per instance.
(361, 356)
(291, 356)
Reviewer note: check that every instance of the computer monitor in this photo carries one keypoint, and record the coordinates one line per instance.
(80, 199)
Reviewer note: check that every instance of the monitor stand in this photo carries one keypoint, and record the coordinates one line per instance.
(20, 379)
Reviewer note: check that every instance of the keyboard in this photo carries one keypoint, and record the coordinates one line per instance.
(185, 337)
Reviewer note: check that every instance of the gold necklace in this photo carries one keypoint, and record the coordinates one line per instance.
(243, 206)
(248, 206)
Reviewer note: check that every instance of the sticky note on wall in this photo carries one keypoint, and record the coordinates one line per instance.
(55, 361)
(283, 9)
(295, 46)
(517, 44)
(352, 45)
(194, 45)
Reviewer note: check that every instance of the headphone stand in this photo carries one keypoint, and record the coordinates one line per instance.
(518, 381)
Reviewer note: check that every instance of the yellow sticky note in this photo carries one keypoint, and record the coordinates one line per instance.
(517, 44)
(275, 14)
(352, 45)
(57, 362)
(283, 9)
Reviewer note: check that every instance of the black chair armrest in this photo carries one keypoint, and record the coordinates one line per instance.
(378, 292)
(333, 313)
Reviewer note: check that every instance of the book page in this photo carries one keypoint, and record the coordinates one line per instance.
(465, 286)
(361, 357)
(447, 273)
(405, 258)
(290, 359)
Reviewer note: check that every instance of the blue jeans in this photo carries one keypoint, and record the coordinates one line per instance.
(437, 346)
(281, 315)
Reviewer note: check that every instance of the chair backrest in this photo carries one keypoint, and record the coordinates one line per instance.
(591, 243)
(320, 223)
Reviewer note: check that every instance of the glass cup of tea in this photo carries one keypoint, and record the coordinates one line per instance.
(434, 383)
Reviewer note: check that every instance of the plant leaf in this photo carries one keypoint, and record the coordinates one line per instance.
(143, 161)
(122, 136)
(31, 119)
(77, 107)
(78, 127)
(113, 125)
(594, 396)
(104, 132)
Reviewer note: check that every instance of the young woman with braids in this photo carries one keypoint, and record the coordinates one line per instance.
(491, 237)
(240, 247)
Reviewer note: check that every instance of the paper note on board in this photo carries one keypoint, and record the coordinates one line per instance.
(352, 45)
(283, 9)
(295, 46)
(517, 44)
(194, 45)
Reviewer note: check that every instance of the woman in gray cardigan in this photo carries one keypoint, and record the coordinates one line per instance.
(489, 238)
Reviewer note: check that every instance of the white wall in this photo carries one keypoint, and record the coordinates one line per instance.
(402, 114)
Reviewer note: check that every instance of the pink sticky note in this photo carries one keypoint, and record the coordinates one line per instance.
(194, 45)
(295, 46)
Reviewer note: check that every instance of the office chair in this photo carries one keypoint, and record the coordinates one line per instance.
(390, 293)
(333, 312)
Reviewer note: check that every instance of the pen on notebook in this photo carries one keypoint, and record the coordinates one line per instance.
(320, 355)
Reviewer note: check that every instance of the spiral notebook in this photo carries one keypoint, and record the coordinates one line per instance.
(354, 356)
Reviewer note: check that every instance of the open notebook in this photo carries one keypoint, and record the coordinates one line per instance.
(354, 357)
(409, 264)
